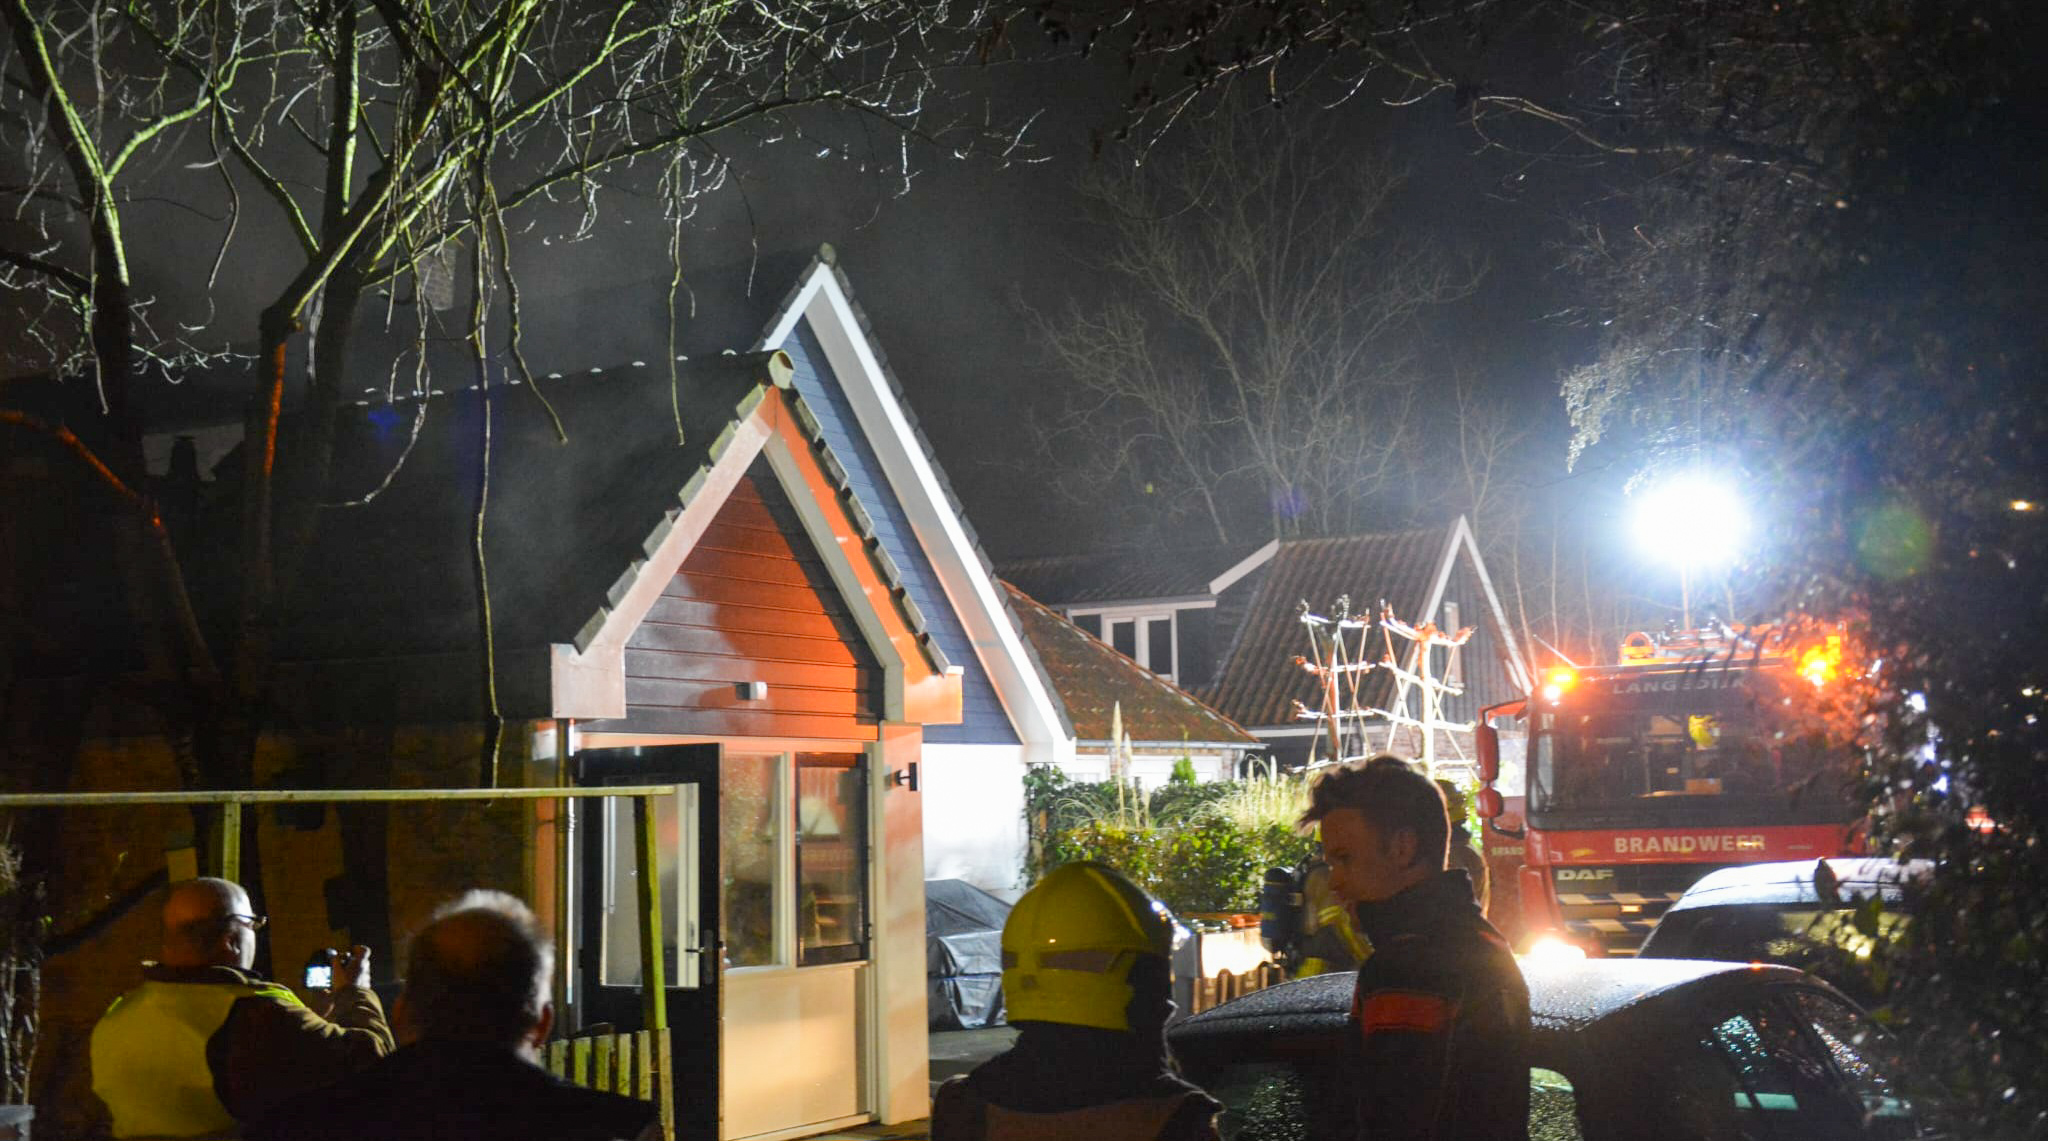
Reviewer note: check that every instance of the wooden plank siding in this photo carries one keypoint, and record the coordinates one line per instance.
(753, 601)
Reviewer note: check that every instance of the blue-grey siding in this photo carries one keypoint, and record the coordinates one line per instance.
(983, 720)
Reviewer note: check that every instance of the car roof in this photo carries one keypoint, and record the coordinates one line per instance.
(1563, 994)
(1791, 882)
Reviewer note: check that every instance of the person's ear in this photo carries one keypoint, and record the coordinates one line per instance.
(1402, 846)
(542, 1026)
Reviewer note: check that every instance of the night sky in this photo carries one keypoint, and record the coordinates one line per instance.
(941, 269)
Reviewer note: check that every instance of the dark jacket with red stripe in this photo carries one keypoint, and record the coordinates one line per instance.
(1442, 1019)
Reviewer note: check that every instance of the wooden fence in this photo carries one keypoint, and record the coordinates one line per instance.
(1224, 986)
(635, 1064)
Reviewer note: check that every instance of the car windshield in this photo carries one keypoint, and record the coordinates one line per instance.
(1834, 943)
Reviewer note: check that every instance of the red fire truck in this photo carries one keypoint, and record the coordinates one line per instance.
(1690, 755)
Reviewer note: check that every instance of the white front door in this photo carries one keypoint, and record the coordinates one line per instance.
(794, 845)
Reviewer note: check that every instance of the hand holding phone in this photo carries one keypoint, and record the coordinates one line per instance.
(320, 969)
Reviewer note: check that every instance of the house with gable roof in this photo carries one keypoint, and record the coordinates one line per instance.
(740, 573)
(1225, 623)
(971, 773)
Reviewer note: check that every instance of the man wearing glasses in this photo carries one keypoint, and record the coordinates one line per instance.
(205, 1044)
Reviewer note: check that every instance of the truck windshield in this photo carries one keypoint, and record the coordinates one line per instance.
(1611, 750)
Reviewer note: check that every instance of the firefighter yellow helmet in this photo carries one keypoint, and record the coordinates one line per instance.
(1070, 943)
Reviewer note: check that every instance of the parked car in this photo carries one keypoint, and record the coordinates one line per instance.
(1621, 1050)
(1821, 916)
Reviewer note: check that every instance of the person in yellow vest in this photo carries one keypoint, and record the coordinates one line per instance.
(205, 1044)
(1088, 981)
(1464, 854)
(1330, 940)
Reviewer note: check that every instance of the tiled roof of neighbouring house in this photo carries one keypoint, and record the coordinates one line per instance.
(1259, 683)
(1092, 680)
(1124, 576)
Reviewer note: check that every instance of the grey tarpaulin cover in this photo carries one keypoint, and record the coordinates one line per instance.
(963, 955)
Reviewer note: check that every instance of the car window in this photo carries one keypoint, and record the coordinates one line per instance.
(1553, 1107)
(1783, 1089)
(1279, 1101)
(1276, 1101)
(1866, 1058)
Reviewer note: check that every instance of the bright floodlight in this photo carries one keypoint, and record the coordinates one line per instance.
(1692, 521)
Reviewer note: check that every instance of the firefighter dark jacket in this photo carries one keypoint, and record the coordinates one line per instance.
(1441, 1016)
(1074, 1083)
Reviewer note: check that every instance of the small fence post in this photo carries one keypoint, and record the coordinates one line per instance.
(653, 969)
(227, 844)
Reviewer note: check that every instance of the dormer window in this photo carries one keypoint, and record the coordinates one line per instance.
(1146, 637)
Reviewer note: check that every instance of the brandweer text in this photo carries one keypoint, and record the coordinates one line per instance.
(1686, 845)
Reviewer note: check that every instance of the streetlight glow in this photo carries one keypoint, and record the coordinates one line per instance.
(1692, 521)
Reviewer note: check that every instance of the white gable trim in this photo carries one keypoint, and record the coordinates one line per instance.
(968, 586)
(1250, 563)
(1462, 536)
(590, 684)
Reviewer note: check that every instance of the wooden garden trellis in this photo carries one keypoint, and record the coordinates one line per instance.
(646, 1055)
(1340, 659)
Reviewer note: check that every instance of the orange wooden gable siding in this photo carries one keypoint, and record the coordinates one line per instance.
(751, 602)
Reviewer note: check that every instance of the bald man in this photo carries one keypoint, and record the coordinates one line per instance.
(205, 1044)
(473, 1016)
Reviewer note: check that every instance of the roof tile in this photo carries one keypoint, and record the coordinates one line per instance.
(1259, 682)
(1093, 680)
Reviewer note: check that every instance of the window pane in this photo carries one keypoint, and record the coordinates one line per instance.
(831, 858)
(1865, 1056)
(1159, 639)
(1123, 635)
(620, 965)
(750, 846)
(1089, 622)
(1783, 1088)
(1279, 1101)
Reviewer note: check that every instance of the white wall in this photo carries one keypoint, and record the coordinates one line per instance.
(974, 815)
(1150, 770)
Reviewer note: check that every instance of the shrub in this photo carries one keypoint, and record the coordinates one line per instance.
(1198, 848)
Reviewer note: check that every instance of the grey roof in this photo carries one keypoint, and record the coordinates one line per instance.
(1791, 882)
(568, 520)
(1258, 683)
(1124, 576)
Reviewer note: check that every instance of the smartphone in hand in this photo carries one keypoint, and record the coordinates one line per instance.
(320, 969)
